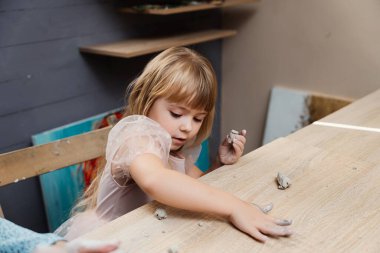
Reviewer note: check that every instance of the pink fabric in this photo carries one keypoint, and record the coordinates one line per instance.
(129, 138)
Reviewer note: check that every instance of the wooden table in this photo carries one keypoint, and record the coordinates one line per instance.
(334, 199)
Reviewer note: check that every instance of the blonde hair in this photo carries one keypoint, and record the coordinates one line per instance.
(179, 75)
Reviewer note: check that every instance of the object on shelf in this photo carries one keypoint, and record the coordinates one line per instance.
(147, 7)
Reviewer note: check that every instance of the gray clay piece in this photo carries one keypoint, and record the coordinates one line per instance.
(283, 181)
(160, 214)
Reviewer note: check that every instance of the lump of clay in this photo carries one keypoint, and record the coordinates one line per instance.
(283, 181)
(231, 136)
(173, 249)
(266, 208)
(160, 214)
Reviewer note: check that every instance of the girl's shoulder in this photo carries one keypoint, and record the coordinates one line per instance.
(138, 119)
(135, 135)
(141, 125)
(141, 120)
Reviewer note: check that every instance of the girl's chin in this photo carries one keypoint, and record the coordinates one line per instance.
(176, 147)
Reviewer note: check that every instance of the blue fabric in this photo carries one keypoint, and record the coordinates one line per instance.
(16, 239)
(203, 162)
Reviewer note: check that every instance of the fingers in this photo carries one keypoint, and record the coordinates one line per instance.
(272, 226)
(266, 208)
(238, 144)
(283, 222)
(258, 236)
(253, 220)
(275, 230)
(277, 227)
(261, 233)
(238, 147)
(233, 134)
(241, 136)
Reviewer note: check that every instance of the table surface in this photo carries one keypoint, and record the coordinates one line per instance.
(333, 199)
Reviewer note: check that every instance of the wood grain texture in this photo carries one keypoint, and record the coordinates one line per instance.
(189, 8)
(333, 199)
(352, 143)
(24, 163)
(327, 208)
(358, 144)
(136, 47)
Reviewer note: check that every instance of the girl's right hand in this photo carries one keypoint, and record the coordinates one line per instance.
(254, 222)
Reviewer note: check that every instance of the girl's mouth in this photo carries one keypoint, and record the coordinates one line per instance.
(178, 140)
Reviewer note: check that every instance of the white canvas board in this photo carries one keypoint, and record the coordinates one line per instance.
(288, 111)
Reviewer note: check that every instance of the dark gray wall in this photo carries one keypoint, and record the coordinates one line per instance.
(45, 82)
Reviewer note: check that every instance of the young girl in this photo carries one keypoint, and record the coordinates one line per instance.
(151, 152)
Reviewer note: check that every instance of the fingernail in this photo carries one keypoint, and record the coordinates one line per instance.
(289, 232)
(287, 222)
(267, 208)
(284, 222)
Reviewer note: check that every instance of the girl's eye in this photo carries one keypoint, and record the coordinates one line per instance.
(198, 120)
(175, 115)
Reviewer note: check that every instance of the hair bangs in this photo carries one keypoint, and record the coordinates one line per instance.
(191, 88)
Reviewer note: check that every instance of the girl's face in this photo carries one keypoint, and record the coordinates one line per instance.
(181, 122)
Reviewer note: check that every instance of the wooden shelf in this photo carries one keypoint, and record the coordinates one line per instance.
(136, 47)
(189, 8)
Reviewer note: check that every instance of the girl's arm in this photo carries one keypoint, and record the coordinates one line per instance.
(195, 172)
(178, 190)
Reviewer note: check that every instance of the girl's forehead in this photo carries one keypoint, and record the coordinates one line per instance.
(184, 106)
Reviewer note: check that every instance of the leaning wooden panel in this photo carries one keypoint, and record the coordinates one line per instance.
(320, 105)
(333, 201)
(37, 160)
(364, 112)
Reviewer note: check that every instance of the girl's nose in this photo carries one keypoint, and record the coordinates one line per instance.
(186, 125)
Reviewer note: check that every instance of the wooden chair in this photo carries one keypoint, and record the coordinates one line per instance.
(33, 161)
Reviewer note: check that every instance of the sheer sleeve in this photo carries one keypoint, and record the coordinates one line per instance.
(131, 137)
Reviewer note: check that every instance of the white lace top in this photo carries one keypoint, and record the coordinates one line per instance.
(129, 138)
(118, 194)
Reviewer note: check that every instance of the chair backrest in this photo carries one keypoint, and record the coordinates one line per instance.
(33, 161)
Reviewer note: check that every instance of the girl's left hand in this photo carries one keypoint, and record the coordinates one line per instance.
(229, 153)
